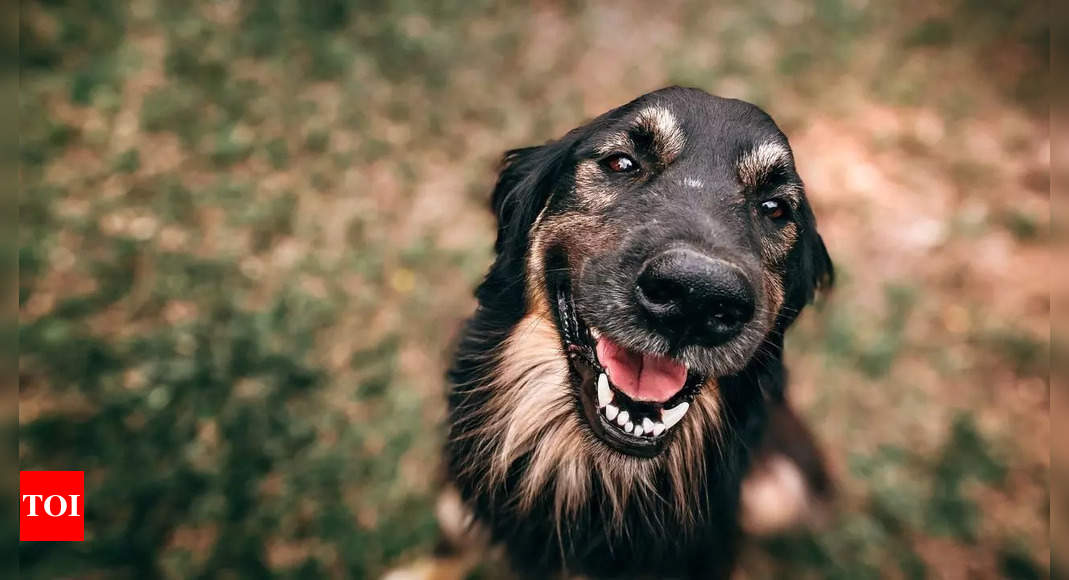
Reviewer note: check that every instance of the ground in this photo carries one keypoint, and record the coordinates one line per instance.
(250, 231)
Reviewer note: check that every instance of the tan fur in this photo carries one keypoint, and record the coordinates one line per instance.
(590, 189)
(777, 247)
(755, 165)
(571, 230)
(451, 568)
(774, 497)
(457, 521)
(774, 251)
(534, 413)
(775, 294)
(661, 125)
(668, 137)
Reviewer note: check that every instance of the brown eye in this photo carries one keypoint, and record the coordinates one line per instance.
(773, 209)
(620, 163)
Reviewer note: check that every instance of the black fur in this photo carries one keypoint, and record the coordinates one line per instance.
(535, 544)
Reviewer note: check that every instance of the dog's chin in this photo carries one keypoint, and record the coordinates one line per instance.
(635, 425)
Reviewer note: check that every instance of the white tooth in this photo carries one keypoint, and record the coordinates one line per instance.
(630, 426)
(610, 412)
(622, 418)
(594, 333)
(658, 428)
(647, 425)
(604, 392)
(673, 415)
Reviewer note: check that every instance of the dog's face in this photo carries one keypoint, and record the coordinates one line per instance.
(668, 240)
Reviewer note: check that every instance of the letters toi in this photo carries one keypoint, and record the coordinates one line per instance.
(51, 506)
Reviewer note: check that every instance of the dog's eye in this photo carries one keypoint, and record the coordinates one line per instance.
(620, 163)
(774, 209)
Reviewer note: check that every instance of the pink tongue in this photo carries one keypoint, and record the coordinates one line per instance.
(643, 377)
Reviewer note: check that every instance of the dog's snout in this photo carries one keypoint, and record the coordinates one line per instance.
(693, 298)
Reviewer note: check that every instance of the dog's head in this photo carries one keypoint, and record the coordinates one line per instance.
(668, 240)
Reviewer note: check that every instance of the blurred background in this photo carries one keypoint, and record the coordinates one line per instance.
(250, 230)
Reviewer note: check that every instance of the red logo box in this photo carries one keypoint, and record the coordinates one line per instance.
(52, 506)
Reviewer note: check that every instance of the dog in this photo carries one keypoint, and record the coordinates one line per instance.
(617, 405)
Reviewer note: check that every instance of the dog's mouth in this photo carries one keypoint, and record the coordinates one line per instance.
(632, 401)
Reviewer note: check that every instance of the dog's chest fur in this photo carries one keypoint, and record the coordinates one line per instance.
(558, 501)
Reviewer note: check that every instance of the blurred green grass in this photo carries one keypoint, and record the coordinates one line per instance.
(249, 231)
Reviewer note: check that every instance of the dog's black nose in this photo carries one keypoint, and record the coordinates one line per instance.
(694, 298)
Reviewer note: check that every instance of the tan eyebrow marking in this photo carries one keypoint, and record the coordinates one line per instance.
(661, 125)
(754, 166)
(658, 125)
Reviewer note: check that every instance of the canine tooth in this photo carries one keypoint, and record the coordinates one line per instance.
(604, 392)
(622, 418)
(673, 415)
(658, 428)
(647, 425)
(611, 412)
(594, 333)
(630, 426)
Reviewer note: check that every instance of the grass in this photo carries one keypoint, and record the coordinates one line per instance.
(250, 230)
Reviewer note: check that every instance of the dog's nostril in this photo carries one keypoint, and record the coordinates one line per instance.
(693, 296)
(659, 292)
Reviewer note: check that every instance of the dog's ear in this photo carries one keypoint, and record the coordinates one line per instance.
(523, 188)
(820, 269)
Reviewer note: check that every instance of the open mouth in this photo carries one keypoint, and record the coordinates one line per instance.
(632, 401)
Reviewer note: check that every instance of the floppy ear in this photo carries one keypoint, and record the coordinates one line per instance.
(821, 271)
(523, 188)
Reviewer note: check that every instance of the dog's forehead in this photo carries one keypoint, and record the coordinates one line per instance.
(711, 123)
(693, 127)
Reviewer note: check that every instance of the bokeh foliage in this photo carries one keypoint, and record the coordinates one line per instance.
(249, 231)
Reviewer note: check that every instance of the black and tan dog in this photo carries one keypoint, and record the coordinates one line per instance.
(625, 360)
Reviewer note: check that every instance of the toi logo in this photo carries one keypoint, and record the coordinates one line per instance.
(51, 506)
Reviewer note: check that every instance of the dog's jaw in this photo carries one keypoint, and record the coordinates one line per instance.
(639, 428)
